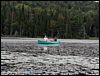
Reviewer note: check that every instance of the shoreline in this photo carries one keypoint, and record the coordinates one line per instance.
(61, 40)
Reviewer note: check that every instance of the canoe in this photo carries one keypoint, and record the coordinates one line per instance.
(48, 42)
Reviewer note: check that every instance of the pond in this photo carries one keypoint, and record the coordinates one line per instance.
(28, 58)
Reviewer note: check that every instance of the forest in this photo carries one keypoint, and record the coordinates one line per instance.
(64, 19)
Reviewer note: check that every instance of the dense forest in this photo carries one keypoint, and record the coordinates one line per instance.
(64, 19)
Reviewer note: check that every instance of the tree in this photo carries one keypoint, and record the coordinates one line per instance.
(68, 19)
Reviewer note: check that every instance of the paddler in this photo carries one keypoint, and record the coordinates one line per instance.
(45, 38)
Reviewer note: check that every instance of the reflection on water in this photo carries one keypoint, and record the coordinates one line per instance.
(46, 46)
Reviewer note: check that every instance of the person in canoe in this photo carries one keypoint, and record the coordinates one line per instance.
(45, 38)
(55, 38)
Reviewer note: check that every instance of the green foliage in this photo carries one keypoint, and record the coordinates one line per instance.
(65, 19)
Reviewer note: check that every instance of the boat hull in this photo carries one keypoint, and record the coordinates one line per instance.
(47, 42)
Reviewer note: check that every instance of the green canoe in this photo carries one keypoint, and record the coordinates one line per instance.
(48, 42)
